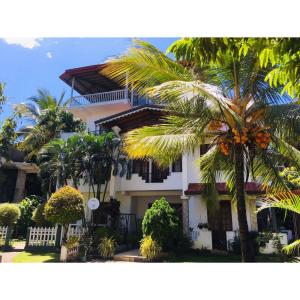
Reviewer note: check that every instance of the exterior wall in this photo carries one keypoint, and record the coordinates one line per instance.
(136, 183)
(197, 211)
(141, 203)
(93, 112)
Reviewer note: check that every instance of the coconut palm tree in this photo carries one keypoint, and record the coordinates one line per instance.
(288, 202)
(48, 126)
(39, 104)
(216, 93)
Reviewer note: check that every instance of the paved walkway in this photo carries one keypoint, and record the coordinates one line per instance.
(132, 256)
(7, 257)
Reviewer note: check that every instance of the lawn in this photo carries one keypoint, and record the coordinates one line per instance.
(31, 257)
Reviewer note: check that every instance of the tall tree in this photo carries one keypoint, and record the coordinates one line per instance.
(36, 105)
(216, 93)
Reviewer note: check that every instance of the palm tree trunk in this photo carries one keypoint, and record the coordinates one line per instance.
(246, 244)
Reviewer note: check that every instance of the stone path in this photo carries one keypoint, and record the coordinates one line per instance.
(7, 257)
(130, 256)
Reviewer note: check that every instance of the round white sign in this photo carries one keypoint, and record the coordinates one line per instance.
(93, 203)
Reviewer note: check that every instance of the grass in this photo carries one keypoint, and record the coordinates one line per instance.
(32, 257)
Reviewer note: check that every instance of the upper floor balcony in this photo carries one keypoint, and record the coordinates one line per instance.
(98, 96)
(111, 97)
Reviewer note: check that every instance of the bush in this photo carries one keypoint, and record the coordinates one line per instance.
(9, 214)
(161, 223)
(73, 241)
(107, 247)
(150, 248)
(103, 232)
(27, 206)
(38, 216)
(65, 206)
(183, 244)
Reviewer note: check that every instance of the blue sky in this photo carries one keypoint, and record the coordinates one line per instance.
(29, 64)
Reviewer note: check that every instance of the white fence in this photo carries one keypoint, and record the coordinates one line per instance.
(76, 230)
(3, 233)
(47, 236)
(41, 236)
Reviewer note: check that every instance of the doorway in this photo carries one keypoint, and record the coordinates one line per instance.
(220, 221)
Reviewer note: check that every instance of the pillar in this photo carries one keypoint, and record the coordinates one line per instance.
(185, 215)
(20, 186)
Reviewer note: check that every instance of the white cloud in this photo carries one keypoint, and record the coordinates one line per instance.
(49, 54)
(28, 43)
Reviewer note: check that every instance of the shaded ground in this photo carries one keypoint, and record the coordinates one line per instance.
(222, 258)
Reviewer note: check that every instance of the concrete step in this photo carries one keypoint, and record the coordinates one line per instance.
(129, 256)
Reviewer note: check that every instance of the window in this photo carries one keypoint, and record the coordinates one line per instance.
(177, 165)
(203, 149)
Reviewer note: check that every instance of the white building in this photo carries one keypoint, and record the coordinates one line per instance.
(101, 102)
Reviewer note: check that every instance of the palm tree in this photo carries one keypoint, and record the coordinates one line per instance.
(39, 104)
(82, 156)
(215, 94)
(48, 126)
(289, 202)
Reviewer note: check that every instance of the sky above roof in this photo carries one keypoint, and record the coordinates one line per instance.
(29, 64)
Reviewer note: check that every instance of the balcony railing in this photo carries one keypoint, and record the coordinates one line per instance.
(100, 98)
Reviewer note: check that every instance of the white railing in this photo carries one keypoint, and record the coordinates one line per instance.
(99, 98)
(3, 233)
(42, 236)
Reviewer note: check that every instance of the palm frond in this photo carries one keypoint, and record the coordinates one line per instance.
(292, 248)
(144, 66)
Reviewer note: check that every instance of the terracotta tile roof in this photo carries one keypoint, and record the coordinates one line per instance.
(198, 188)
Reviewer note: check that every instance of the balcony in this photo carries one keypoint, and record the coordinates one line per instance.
(100, 98)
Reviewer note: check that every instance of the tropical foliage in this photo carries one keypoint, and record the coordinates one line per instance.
(150, 249)
(33, 109)
(107, 247)
(161, 223)
(82, 156)
(216, 93)
(47, 119)
(7, 137)
(288, 202)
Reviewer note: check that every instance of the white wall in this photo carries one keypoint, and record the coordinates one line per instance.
(136, 183)
(197, 211)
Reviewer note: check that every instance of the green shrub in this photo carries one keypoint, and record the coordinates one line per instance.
(27, 206)
(9, 214)
(183, 243)
(103, 232)
(38, 216)
(107, 247)
(150, 249)
(161, 223)
(65, 206)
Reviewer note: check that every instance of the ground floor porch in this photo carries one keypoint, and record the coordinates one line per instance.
(208, 228)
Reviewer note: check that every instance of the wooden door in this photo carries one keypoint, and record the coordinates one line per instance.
(219, 222)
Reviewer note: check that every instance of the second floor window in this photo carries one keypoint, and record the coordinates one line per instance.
(177, 165)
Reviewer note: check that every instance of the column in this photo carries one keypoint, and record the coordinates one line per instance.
(185, 214)
(20, 186)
